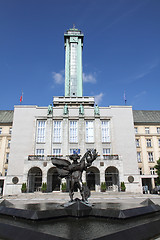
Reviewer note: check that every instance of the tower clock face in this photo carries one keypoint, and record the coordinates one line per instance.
(73, 39)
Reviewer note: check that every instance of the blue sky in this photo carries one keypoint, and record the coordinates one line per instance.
(121, 50)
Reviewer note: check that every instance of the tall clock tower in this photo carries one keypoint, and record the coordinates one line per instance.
(73, 39)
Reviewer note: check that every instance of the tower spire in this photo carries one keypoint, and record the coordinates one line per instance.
(73, 62)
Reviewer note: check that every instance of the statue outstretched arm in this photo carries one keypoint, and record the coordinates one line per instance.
(89, 157)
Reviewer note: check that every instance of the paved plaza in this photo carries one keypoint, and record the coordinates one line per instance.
(59, 197)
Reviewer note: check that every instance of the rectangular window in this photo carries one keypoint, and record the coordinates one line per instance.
(137, 143)
(140, 171)
(135, 130)
(152, 171)
(74, 151)
(150, 157)
(57, 131)
(7, 158)
(106, 151)
(105, 131)
(73, 131)
(158, 130)
(0, 130)
(10, 131)
(89, 131)
(147, 130)
(9, 143)
(139, 156)
(149, 143)
(39, 151)
(56, 151)
(158, 142)
(41, 131)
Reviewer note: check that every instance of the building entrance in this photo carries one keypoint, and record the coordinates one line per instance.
(34, 179)
(53, 182)
(147, 185)
(1, 186)
(92, 178)
(112, 179)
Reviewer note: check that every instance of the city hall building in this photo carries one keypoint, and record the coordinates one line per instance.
(72, 123)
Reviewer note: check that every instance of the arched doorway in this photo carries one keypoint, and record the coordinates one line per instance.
(34, 179)
(53, 182)
(92, 178)
(112, 178)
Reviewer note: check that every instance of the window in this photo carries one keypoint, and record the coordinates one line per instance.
(152, 171)
(139, 157)
(73, 131)
(159, 142)
(140, 171)
(9, 143)
(106, 151)
(158, 130)
(135, 130)
(74, 151)
(56, 151)
(148, 141)
(0, 130)
(137, 143)
(147, 130)
(105, 131)
(57, 131)
(7, 158)
(10, 131)
(89, 131)
(41, 131)
(39, 151)
(150, 157)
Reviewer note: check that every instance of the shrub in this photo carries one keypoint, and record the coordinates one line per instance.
(24, 188)
(44, 187)
(103, 187)
(64, 186)
(123, 187)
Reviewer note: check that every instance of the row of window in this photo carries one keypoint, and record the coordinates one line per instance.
(147, 130)
(57, 151)
(152, 171)
(10, 131)
(73, 131)
(148, 142)
(150, 157)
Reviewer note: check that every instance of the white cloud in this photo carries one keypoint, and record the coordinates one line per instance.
(139, 95)
(58, 77)
(98, 98)
(90, 78)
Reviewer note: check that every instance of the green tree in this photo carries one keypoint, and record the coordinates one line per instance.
(157, 167)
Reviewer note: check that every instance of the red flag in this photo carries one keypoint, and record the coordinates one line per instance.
(21, 98)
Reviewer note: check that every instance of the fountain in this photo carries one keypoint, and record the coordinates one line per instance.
(78, 219)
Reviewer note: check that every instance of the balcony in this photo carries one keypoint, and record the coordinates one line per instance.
(42, 157)
(110, 157)
(35, 157)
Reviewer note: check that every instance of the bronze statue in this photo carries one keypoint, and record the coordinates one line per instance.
(50, 109)
(73, 171)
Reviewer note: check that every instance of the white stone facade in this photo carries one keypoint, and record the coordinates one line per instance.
(122, 157)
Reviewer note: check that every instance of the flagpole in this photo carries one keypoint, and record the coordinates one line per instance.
(125, 100)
